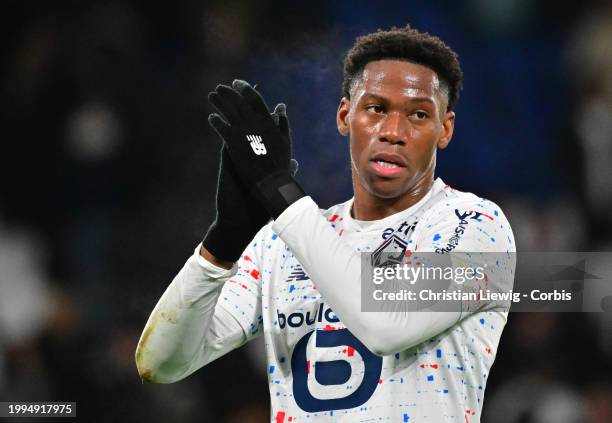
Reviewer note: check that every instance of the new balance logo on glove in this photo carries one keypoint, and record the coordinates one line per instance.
(257, 145)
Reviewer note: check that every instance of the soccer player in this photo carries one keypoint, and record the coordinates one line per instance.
(296, 280)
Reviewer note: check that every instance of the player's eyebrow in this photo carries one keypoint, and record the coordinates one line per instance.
(419, 99)
(371, 96)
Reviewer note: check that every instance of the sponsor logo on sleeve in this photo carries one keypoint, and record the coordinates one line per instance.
(464, 219)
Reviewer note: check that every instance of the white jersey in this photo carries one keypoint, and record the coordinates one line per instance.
(298, 284)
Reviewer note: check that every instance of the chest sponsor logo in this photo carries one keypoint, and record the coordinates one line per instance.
(297, 318)
(340, 375)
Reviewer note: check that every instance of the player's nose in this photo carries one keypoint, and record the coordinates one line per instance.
(393, 129)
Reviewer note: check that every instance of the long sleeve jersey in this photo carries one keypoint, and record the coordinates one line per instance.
(298, 284)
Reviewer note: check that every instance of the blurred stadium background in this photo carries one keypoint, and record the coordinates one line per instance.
(108, 168)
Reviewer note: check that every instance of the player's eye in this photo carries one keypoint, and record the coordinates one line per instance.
(420, 115)
(375, 108)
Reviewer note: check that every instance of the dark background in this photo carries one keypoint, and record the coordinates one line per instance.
(108, 172)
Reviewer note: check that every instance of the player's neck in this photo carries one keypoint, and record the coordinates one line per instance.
(367, 206)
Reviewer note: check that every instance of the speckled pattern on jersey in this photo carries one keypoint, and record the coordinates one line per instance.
(318, 371)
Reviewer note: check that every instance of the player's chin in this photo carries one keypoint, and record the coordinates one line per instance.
(387, 188)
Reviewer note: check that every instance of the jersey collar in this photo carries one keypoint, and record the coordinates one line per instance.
(369, 225)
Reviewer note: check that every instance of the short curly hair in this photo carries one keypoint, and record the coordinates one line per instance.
(410, 45)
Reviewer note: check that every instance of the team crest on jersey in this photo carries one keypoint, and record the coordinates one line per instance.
(390, 253)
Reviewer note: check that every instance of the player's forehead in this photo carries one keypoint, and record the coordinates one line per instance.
(397, 78)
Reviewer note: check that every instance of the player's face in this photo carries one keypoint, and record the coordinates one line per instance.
(396, 119)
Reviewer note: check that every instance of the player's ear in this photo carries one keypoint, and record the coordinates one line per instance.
(342, 116)
(448, 126)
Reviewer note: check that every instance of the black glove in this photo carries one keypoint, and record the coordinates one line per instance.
(239, 214)
(260, 149)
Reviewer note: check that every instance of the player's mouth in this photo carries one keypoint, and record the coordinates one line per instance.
(386, 164)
